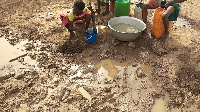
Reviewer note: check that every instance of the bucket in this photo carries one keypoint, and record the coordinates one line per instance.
(122, 8)
(125, 36)
(91, 35)
(158, 27)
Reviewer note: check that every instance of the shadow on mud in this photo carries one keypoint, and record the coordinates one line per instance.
(71, 48)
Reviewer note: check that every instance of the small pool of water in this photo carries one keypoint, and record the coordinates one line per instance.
(161, 103)
(128, 74)
(9, 52)
(127, 28)
(109, 66)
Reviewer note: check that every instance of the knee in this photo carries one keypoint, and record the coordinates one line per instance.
(164, 16)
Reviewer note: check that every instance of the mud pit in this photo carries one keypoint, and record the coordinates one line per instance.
(106, 76)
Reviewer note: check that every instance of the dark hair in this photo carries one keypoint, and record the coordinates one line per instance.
(80, 5)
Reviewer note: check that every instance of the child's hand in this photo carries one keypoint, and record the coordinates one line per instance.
(94, 28)
(162, 6)
(167, 5)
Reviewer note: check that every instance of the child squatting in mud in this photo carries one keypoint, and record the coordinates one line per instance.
(79, 14)
(171, 13)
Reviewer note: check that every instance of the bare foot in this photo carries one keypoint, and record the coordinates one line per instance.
(165, 36)
(70, 36)
(105, 13)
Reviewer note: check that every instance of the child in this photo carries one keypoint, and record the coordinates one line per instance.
(79, 14)
(171, 13)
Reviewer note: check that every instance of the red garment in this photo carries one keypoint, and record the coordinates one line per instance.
(77, 19)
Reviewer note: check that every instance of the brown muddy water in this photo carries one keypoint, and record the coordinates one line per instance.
(108, 76)
(14, 57)
(136, 77)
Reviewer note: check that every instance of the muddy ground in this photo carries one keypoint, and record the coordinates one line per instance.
(116, 76)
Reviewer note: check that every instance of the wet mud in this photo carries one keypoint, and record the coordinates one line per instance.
(48, 73)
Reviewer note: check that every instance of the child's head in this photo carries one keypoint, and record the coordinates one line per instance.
(78, 7)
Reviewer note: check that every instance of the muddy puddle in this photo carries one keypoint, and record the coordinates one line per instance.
(14, 57)
(135, 77)
(9, 52)
(116, 76)
(109, 66)
(161, 104)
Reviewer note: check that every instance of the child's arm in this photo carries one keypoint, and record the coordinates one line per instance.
(173, 1)
(93, 20)
(87, 20)
(176, 1)
(74, 29)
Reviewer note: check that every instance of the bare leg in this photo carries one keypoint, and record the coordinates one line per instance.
(99, 9)
(71, 32)
(165, 19)
(145, 12)
(87, 18)
(107, 10)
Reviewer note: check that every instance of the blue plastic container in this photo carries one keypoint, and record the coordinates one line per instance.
(91, 37)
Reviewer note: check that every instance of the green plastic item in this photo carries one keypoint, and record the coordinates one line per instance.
(122, 8)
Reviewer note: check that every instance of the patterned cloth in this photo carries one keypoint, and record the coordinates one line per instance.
(76, 19)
